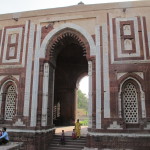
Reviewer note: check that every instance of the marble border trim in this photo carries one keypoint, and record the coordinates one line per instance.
(35, 78)
(30, 131)
(28, 71)
(118, 134)
(90, 94)
(98, 79)
(106, 73)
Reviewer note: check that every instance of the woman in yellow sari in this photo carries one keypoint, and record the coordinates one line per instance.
(78, 128)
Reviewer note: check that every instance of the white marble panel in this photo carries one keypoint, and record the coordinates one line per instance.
(143, 38)
(111, 38)
(19, 122)
(36, 78)
(12, 31)
(98, 79)
(90, 94)
(1, 42)
(120, 74)
(45, 94)
(115, 126)
(12, 51)
(127, 44)
(120, 54)
(106, 73)
(13, 38)
(140, 74)
(127, 30)
(29, 71)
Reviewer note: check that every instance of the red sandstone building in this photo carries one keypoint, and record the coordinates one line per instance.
(43, 55)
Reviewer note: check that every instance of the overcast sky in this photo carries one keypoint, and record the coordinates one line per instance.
(10, 6)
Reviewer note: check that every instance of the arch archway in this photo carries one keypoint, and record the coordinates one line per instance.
(67, 54)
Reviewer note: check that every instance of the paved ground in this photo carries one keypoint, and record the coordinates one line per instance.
(68, 130)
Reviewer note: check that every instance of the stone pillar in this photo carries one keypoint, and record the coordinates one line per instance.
(93, 94)
(67, 102)
(40, 94)
(45, 94)
(50, 95)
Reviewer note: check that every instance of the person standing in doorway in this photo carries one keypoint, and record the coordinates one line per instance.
(78, 128)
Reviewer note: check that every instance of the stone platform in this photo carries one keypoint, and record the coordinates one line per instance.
(11, 146)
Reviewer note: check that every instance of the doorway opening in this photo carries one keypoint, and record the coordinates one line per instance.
(82, 100)
(69, 56)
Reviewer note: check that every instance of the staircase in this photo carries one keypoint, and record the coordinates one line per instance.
(70, 144)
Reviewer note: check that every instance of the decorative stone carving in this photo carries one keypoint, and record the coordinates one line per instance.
(127, 44)
(19, 123)
(114, 126)
(130, 104)
(119, 75)
(127, 29)
(147, 126)
(10, 103)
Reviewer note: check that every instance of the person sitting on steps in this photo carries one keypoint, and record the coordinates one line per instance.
(4, 137)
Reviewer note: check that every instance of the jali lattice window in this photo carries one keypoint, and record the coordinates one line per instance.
(130, 104)
(10, 104)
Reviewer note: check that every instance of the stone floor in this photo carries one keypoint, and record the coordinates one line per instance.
(68, 130)
(10, 145)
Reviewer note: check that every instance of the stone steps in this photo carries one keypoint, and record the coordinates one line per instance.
(70, 144)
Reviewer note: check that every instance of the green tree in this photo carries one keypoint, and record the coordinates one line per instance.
(82, 100)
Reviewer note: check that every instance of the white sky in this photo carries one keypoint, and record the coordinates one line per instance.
(10, 6)
(84, 85)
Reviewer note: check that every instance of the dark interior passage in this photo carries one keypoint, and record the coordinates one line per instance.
(70, 65)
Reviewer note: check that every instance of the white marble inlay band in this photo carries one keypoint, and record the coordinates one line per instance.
(28, 71)
(1, 41)
(119, 134)
(143, 37)
(90, 94)
(106, 73)
(45, 94)
(31, 131)
(35, 78)
(98, 78)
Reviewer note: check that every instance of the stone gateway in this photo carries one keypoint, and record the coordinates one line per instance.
(44, 54)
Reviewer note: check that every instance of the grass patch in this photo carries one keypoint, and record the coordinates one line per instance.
(84, 122)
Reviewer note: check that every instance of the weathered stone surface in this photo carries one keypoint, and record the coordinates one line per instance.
(44, 54)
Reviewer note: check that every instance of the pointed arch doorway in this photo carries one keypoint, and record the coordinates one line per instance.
(67, 56)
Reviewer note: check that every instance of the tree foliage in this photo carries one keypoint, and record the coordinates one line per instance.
(82, 100)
